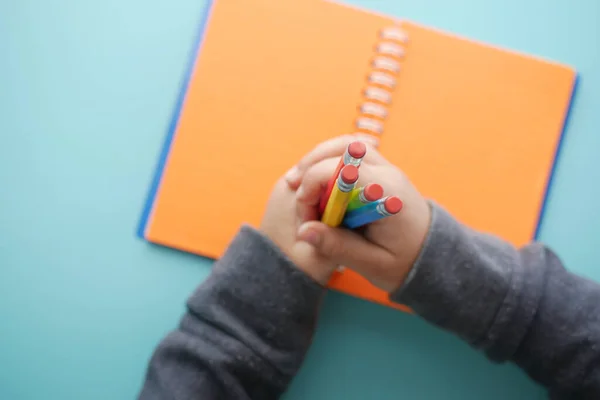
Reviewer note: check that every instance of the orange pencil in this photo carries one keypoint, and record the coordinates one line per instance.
(353, 156)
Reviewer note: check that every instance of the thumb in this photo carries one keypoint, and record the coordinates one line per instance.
(346, 248)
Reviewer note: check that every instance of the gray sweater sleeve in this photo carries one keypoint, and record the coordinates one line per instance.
(249, 325)
(245, 332)
(515, 305)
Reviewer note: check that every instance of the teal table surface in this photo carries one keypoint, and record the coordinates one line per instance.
(86, 92)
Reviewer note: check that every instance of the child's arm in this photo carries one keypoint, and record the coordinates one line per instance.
(517, 305)
(249, 325)
(245, 332)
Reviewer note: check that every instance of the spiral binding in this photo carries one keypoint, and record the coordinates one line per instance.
(382, 79)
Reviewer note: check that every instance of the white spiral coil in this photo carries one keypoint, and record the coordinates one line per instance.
(382, 80)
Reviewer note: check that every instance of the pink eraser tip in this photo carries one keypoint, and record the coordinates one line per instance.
(349, 174)
(373, 191)
(393, 205)
(357, 149)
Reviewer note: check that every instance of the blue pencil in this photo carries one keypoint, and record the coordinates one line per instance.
(372, 212)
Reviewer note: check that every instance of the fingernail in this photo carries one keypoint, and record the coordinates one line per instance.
(292, 175)
(308, 235)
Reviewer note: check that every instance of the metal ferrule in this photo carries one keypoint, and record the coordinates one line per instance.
(344, 187)
(349, 160)
(381, 209)
(361, 196)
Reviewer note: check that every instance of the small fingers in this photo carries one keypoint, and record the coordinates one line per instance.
(312, 187)
(347, 248)
(331, 148)
(315, 181)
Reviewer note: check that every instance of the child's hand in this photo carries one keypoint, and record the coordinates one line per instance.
(385, 250)
(280, 224)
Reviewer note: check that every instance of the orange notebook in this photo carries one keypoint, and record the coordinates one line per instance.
(475, 127)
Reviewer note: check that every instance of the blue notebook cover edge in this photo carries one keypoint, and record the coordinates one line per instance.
(557, 153)
(166, 148)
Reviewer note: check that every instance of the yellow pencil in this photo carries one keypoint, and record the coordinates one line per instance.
(364, 195)
(340, 195)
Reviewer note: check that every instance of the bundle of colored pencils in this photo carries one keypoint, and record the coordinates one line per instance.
(344, 203)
